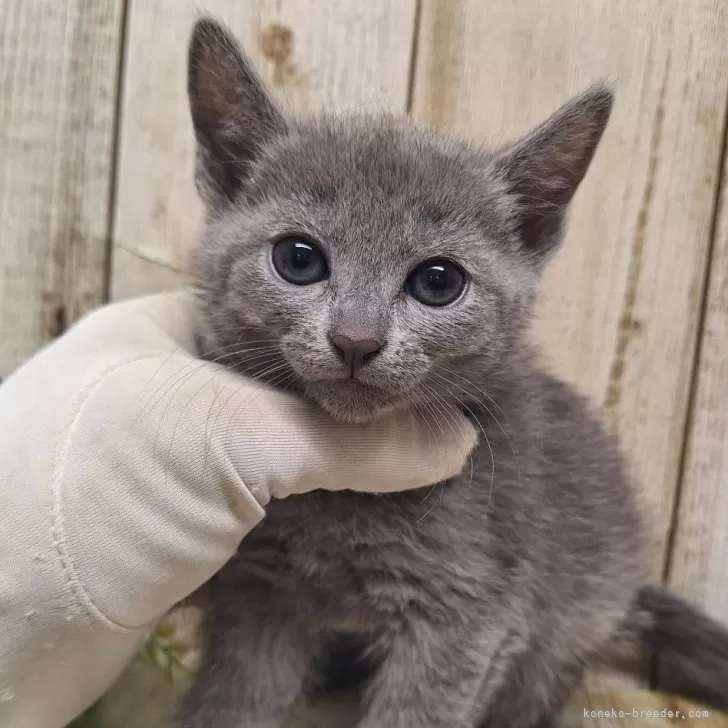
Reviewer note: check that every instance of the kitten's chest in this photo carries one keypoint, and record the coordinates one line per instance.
(357, 562)
(351, 540)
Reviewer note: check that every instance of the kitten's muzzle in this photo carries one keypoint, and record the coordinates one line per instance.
(355, 352)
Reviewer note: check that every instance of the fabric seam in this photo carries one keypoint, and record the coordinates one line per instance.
(73, 583)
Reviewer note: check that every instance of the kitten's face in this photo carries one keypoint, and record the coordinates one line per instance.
(384, 255)
(367, 262)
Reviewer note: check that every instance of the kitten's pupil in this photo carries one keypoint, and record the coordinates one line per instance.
(299, 261)
(301, 255)
(436, 283)
(437, 278)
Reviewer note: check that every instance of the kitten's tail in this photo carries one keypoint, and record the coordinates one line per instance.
(693, 643)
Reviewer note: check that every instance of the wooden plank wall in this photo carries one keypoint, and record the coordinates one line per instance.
(58, 78)
(96, 193)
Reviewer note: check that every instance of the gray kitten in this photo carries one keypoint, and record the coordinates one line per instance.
(373, 265)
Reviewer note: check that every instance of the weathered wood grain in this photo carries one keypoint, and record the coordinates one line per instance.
(58, 74)
(337, 54)
(620, 308)
(699, 559)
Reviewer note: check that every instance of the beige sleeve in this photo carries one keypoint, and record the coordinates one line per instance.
(129, 473)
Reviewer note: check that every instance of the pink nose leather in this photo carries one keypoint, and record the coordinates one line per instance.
(355, 352)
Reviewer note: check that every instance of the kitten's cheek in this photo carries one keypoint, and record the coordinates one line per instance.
(253, 320)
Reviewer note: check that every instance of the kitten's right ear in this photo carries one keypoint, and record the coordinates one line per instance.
(543, 171)
(232, 112)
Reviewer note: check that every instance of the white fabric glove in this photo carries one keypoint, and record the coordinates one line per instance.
(129, 473)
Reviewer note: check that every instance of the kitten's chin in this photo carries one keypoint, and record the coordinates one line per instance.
(350, 401)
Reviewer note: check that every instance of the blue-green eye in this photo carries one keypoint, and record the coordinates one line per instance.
(436, 283)
(299, 261)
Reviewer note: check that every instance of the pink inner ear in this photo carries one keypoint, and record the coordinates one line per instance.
(544, 170)
(232, 112)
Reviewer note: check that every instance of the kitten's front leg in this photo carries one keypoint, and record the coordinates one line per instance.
(429, 678)
(253, 668)
(535, 691)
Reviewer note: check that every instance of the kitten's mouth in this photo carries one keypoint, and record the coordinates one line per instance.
(350, 400)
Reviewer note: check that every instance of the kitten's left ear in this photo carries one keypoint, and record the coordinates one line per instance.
(544, 169)
(233, 113)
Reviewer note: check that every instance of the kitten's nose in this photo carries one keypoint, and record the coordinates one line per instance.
(355, 352)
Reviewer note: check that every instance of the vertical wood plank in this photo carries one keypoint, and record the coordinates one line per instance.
(58, 75)
(336, 55)
(700, 546)
(621, 302)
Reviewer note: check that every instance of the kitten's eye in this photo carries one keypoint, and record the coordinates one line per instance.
(436, 283)
(299, 261)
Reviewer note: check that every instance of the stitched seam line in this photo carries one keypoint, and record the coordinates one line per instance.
(74, 584)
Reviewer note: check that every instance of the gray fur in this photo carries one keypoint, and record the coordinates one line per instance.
(481, 601)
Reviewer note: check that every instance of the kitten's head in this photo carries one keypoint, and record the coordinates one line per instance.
(370, 262)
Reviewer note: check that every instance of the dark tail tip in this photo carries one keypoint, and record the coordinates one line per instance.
(693, 646)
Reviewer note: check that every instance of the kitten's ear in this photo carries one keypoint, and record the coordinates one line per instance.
(232, 112)
(544, 169)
